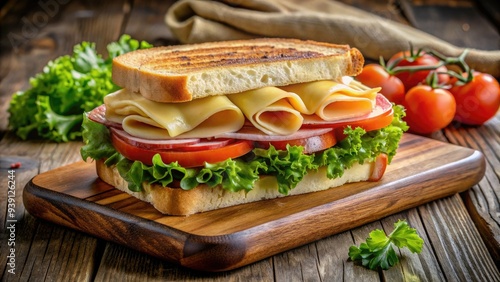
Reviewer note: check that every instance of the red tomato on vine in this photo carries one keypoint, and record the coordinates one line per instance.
(426, 62)
(477, 100)
(375, 75)
(428, 109)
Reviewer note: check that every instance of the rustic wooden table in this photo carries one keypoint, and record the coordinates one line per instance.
(461, 232)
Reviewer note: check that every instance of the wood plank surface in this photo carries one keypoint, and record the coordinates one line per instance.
(455, 229)
(468, 24)
(423, 170)
(468, 27)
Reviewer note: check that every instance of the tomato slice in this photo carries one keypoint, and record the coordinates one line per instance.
(373, 123)
(184, 158)
(310, 144)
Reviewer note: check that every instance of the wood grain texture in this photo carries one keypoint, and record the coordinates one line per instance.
(440, 226)
(103, 261)
(424, 170)
(482, 200)
(461, 20)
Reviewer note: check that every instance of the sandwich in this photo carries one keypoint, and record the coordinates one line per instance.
(205, 126)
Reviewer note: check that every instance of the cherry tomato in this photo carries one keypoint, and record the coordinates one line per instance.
(310, 144)
(413, 78)
(374, 75)
(428, 109)
(184, 158)
(478, 100)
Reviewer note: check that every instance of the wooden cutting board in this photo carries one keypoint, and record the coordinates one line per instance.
(423, 170)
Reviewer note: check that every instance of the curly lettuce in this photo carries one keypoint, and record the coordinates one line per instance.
(288, 166)
(67, 87)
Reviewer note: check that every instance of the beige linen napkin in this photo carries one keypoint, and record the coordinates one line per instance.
(195, 21)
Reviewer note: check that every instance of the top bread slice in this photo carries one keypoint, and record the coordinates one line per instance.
(182, 73)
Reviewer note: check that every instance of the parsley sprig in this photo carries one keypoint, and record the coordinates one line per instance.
(378, 250)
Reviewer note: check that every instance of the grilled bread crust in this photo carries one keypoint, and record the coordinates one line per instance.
(185, 72)
(176, 201)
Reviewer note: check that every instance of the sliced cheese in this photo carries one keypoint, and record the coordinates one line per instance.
(273, 110)
(199, 118)
(332, 100)
(269, 110)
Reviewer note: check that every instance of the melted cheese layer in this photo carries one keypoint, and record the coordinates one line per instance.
(153, 120)
(273, 110)
(332, 100)
(269, 110)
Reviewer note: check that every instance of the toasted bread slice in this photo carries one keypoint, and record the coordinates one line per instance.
(186, 72)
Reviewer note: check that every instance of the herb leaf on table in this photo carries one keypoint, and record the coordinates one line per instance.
(378, 250)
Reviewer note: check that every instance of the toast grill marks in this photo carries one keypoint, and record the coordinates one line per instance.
(195, 60)
(185, 72)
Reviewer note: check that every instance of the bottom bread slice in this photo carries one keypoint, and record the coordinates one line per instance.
(176, 201)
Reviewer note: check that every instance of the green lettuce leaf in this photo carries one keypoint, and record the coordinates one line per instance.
(97, 144)
(124, 45)
(53, 126)
(233, 175)
(67, 87)
(288, 166)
